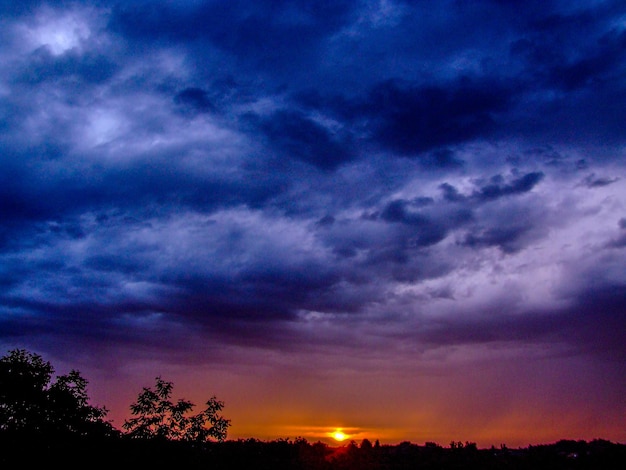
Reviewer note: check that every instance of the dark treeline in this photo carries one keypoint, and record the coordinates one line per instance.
(46, 422)
(299, 454)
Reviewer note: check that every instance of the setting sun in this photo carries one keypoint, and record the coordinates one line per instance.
(339, 436)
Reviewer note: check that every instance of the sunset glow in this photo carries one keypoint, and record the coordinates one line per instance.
(339, 436)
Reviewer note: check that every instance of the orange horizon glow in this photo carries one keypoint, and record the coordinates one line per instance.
(509, 405)
(515, 429)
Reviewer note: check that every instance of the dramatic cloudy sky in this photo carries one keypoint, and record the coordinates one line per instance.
(403, 218)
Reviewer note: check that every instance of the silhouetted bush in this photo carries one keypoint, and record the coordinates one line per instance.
(157, 417)
(32, 404)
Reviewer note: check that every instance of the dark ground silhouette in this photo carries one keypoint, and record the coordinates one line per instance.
(299, 454)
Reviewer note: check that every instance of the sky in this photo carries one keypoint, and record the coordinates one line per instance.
(401, 219)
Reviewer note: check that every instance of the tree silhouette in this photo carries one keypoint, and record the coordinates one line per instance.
(156, 416)
(30, 403)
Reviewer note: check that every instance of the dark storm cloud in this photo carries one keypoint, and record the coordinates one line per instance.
(506, 237)
(620, 240)
(569, 51)
(450, 193)
(592, 324)
(295, 135)
(242, 166)
(31, 196)
(496, 189)
(414, 119)
(195, 98)
(425, 229)
(578, 54)
(237, 23)
(71, 67)
(553, 78)
(265, 35)
(9, 8)
(594, 181)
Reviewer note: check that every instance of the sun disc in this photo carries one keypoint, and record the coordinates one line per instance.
(339, 436)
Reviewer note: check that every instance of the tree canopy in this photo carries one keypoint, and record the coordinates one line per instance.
(156, 416)
(32, 403)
